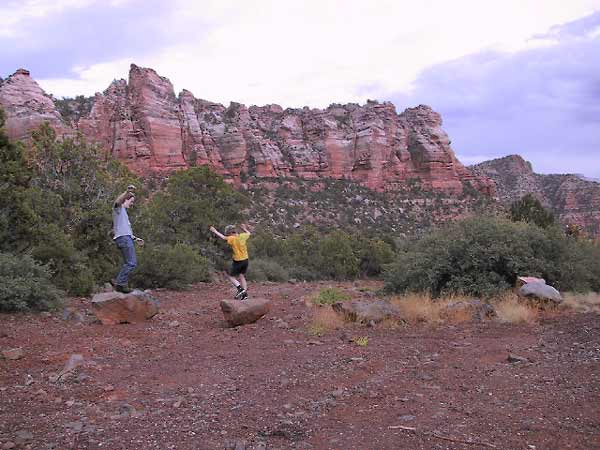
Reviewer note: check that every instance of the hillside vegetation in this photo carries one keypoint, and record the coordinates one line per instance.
(55, 204)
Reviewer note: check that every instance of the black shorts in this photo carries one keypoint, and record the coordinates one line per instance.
(238, 267)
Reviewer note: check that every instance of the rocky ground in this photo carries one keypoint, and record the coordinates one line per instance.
(183, 380)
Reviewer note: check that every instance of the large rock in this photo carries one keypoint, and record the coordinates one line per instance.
(367, 311)
(541, 291)
(243, 312)
(27, 106)
(113, 307)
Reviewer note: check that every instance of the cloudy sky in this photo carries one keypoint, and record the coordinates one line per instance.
(508, 76)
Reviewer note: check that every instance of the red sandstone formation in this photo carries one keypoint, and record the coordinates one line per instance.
(144, 124)
(27, 106)
(572, 199)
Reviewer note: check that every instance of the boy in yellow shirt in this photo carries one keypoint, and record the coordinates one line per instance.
(239, 265)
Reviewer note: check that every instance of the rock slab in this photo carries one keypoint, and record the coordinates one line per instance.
(112, 308)
(541, 291)
(244, 312)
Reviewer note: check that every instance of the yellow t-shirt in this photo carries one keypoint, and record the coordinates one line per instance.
(238, 244)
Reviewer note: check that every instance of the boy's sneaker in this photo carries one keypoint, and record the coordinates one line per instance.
(244, 295)
(238, 294)
(123, 288)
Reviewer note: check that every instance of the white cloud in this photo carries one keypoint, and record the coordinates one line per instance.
(318, 52)
(87, 80)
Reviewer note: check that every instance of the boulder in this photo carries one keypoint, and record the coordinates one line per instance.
(476, 308)
(541, 291)
(13, 353)
(367, 311)
(243, 312)
(112, 308)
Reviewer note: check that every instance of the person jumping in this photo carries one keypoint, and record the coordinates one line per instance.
(239, 265)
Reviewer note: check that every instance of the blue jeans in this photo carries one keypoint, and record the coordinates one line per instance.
(125, 244)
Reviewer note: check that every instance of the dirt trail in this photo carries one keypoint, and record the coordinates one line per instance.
(184, 381)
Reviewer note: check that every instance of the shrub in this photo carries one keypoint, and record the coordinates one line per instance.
(68, 266)
(171, 266)
(589, 302)
(303, 273)
(324, 320)
(530, 209)
(25, 285)
(337, 257)
(511, 310)
(420, 307)
(483, 257)
(266, 270)
(374, 255)
(329, 296)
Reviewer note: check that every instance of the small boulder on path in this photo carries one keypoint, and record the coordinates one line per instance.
(541, 291)
(112, 308)
(243, 312)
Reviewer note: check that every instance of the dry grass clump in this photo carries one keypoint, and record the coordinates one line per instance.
(509, 309)
(418, 307)
(456, 316)
(584, 303)
(324, 319)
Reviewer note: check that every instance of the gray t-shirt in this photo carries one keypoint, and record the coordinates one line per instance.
(121, 225)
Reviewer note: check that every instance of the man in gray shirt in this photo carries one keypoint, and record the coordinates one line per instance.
(124, 238)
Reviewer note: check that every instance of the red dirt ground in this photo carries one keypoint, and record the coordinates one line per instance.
(183, 380)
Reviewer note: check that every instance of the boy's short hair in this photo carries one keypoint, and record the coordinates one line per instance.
(230, 229)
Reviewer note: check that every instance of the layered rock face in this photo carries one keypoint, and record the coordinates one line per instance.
(27, 106)
(144, 124)
(573, 200)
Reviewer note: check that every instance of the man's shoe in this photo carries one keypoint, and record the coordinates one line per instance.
(123, 289)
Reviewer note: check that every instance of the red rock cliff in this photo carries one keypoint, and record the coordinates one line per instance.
(144, 124)
(572, 199)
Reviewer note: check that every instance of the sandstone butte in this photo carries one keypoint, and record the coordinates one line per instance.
(144, 124)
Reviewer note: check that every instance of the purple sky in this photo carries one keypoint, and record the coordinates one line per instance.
(542, 103)
(509, 77)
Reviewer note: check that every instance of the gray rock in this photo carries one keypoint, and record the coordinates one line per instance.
(13, 353)
(541, 291)
(23, 436)
(512, 358)
(478, 309)
(71, 314)
(74, 361)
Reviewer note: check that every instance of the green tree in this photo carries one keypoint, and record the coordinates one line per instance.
(530, 209)
(16, 216)
(191, 202)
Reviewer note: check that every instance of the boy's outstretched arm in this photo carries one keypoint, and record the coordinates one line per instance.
(214, 230)
(245, 228)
